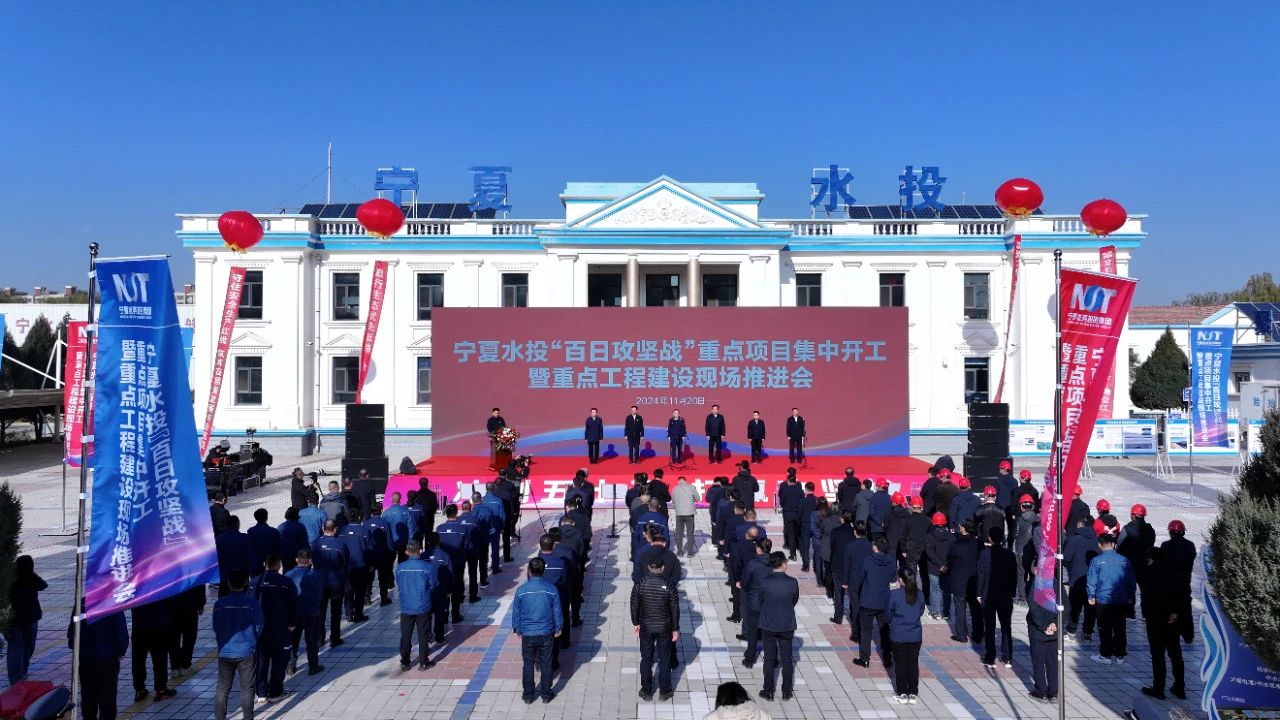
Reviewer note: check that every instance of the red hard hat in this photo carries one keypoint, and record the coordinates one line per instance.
(1104, 505)
(1079, 491)
(1026, 500)
(939, 519)
(917, 501)
(964, 483)
(1025, 474)
(944, 472)
(898, 498)
(1138, 510)
(1176, 526)
(989, 490)
(1100, 528)
(881, 482)
(1006, 465)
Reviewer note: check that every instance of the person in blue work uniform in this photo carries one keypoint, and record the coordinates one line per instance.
(278, 598)
(356, 537)
(454, 538)
(103, 644)
(676, 433)
(906, 607)
(535, 617)
(556, 572)
(442, 590)
(234, 553)
(237, 624)
(331, 559)
(310, 594)
(293, 537)
(498, 521)
(477, 526)
(399, 526)
(312, 518)
(382, 554)
(264, 539)
(416, 580)
(878, 509)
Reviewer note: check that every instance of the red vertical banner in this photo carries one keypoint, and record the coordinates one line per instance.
(377, 293)
(230, 309)
(77, 365)
(1092, 311)
(1107, 266)
(1008, 317)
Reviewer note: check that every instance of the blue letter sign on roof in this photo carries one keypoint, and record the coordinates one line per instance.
(490, 186)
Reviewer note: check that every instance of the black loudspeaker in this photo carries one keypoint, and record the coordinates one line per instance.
(988, 442)
(377, 467)
(366, 433)
(981, 469)
(992, 436)
(999, 450)
(981, 409)
(988, 422)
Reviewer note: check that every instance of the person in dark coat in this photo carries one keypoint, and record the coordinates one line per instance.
(298, 490)
(332, 559)
(382, 554)
(756, 436)
(796, 435)
(429, 501)
(1180, 553)
(492, 425)
(310, 626)
(633, 429)
(996, 587)
(714, 428)
(1136, 540)
(1026, 487)
(937, 545)
(753, 571)
(1042, 638)
(103, 644)
(234, 553)
(1078, 550)
(841, 537)
(593, 433)
(655, 613)
(895, 525)
(24, 618)
(989, 515)
(264, 539)
(714, 495)
(659, 489)
(442, 592)
(791, 502)
(906, 634)
(878, 509)
(676, 434)
(359, 568)
(362, 489)
(746, 485)
(477, 546)
(778, 595)
(855, 556)
(1079, 508)
(1104, 514)
(152, 634)
(293, 537)
(911, 546)
(945, 493)
(1006, 486)
(961, 571)
(828, 521)
(219, 515)
(964, 506)
(878, 572)
(848, 488)
(808, 508)
(188, 606)
(1164, 597)
(278, 597)
(928, 490)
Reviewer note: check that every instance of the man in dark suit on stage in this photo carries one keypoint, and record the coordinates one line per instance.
(755, 433)
(715, 434)
(634, 430)
(494, 423)
(795, 436)
(675, 436)
(594, 433)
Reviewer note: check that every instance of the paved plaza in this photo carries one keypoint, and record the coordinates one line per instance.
(478, 675)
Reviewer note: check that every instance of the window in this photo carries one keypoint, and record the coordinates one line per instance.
(1239, 378)
(604, 290)
(893, 289)
(346, 296)
(251, 296)
(430, 293)
(515, 289)
(424, 380)
(720, 289)
(809, 289)
(660, 290)
(977, 378)
(977, 296)
(249, 380)
(346, 373)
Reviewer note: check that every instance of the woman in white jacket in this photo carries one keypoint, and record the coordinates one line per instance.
(733, 703)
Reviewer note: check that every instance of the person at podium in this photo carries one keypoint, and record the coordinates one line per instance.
(676, 433)
(494, 424)
(594, 433)
(634, 430)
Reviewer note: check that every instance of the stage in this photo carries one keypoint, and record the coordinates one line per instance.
(550, 476)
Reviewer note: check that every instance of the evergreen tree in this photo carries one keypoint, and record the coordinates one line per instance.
(36, 351)
(1158, 382)
(8, 369)
(10, 529)
(1245, 541)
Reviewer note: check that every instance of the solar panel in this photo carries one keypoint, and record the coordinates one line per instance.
(949, 213)
(880, 212)
(859, 212)
(332, 211)
(989, 211)
(967, 212)
(311, 209)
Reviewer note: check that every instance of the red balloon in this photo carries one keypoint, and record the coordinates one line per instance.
(240, 230)
(380, 217)
(1103, 217)
(1019, 197)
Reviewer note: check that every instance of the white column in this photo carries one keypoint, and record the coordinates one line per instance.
(567, 281)
(852, 270)
(633, 281)
(471, 273)
(937, 406)
(695, 282)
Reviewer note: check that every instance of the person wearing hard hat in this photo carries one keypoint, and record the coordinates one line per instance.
(895, 525)
(1079, 508)
(1104, 514)
(1136, 540)
(989, 515)
(963, 506)
(1078, 550)
(944, 494)
(937, 544)
(1180, 553)
(1006, 486)
(1026, 547)
(878, 511)
(1026, 487)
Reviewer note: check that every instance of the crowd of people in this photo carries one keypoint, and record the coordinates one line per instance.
(884, 560)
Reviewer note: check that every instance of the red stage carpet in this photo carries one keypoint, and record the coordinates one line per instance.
(551, 475)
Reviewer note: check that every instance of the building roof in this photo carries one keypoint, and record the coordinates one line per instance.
(1173, 315)
(435, 211)
(949, 212)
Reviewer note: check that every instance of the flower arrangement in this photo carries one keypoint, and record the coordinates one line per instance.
(505, 438)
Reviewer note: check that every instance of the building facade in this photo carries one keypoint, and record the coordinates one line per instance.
(295, 348)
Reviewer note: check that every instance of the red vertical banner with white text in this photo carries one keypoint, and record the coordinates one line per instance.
(1107, 266)
(73, 391)
(1092, 311)
(1008, 317)
(377, 293)
(230, 309)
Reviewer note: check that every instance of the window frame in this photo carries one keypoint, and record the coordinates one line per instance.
(353, 379)
(972, 368)
(806, 285)
(897, 291)
(417, 379)
(419, 286)
(515, 288)
(237, 389)
(978, 309)
(249, 293)
(339, 311)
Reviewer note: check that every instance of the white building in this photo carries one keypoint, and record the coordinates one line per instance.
(295, 347)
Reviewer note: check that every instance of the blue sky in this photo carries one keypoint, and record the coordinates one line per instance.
(118, 115)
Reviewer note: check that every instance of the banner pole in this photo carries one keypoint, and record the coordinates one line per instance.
(1191, 427)
(1057, 474)
(86, 432)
